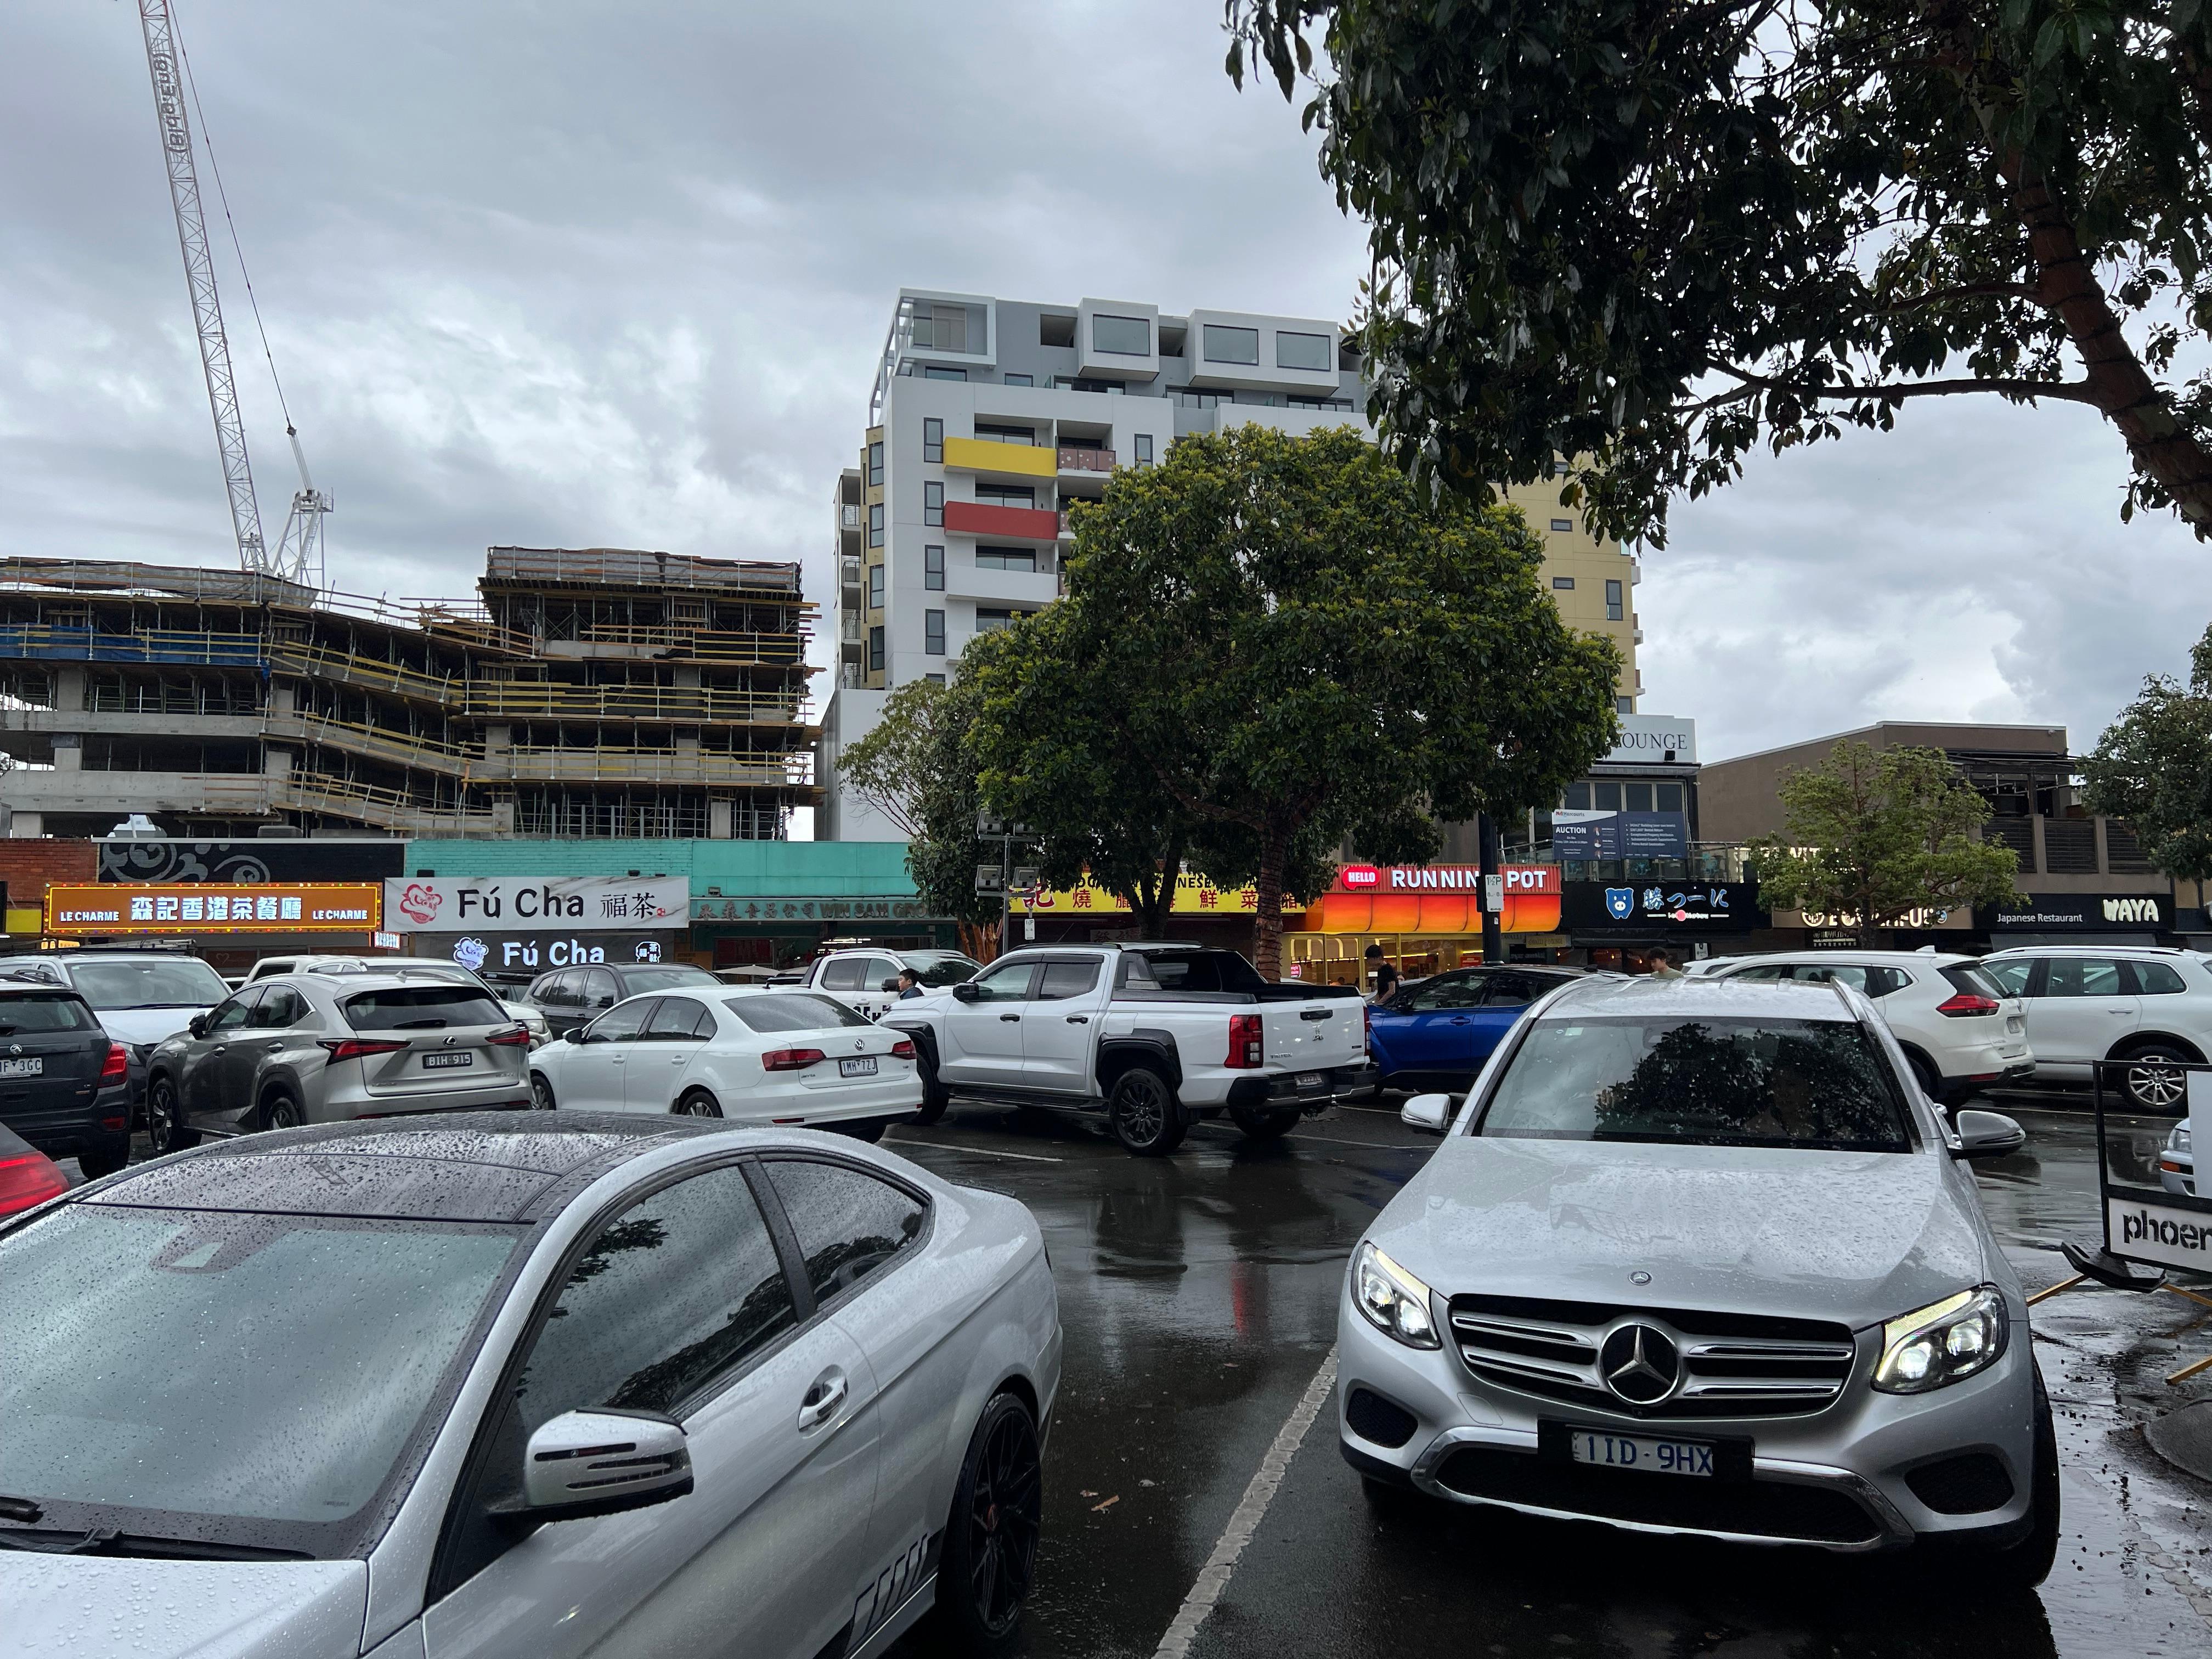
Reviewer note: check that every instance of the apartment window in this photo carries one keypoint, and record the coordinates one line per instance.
(1070, 383)
(1561, 467)
(875, 524)
(1319, 403)
(1613, 607)
(942, 326)
(1624, 705)
(990, 622)
(933, 441)
(934, 679)
(934, 373)
(1562, 584)
(1005, 434)
(1301, 350)
(933, 504)
(932, 632)
(1191, 398)
(876, 650)
(875, 587)
(1670, 794)
(876, 463)
(1006, 558)
(1224, 345)
(1121, 337)
(1562, 525)
(1144, 442)
(933, 569)
(1011, 380)
(1004, 495)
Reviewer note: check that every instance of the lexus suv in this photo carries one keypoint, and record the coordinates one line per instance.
(1698, 1256)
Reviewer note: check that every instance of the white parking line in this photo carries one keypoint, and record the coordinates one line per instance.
(1213, 1577)
(981, 1151)
(1375, 1145)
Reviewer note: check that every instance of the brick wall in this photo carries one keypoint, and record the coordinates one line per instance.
(28, 864)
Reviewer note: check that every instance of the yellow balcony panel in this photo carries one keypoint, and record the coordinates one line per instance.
(989, 459)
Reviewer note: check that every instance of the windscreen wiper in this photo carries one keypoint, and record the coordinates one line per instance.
(419, 1025)
(108, 1540)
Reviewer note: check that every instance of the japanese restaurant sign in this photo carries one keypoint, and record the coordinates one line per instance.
(80, 910)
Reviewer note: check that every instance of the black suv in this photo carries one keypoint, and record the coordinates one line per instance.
(574, 997)
(64, 1082)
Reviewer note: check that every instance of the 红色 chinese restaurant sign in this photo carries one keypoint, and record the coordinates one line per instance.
(467, 904)
(82, 910)
(1193, 896)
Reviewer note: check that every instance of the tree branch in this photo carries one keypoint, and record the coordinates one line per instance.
(2077, 392)
(1972, 290)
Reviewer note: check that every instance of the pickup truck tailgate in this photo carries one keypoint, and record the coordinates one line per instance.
(1332, 1031)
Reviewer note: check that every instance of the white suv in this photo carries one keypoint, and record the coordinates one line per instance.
(1961, 1030)
(2087, 1003)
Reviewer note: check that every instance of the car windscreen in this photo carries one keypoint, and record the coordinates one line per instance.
(1197, 970)
(1716, 1082)
(23, 1012)
(637, 980)
(948, 970)
(149, 982)
(792, 1012)
(121, 1329)
(422, 1008)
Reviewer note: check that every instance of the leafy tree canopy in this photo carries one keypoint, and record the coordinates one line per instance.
(1873, 834)
(1652, 234)
(2153, 768)
(1283, 642)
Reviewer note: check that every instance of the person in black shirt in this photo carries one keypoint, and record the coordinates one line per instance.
(1386, 973)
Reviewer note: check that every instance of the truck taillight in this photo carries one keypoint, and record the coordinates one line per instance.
(1245, 1043)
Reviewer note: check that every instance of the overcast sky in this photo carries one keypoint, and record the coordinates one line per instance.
(578, 274)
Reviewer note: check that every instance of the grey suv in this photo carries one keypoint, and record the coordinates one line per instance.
(322, 1048)
(1697, 1256)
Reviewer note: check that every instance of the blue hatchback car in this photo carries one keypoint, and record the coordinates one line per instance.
(1436, 1033)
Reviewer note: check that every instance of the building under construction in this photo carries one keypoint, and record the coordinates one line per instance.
(588, 693)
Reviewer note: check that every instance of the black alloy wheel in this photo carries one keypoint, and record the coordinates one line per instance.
(2155, 1080)
(165, 1119)
(991, 1537)
(1146, 1116)
(698, 1103)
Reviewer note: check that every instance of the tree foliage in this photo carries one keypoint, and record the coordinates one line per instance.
(1283, 643)
(1654, 235)
(2153, 768)
(1873, 834)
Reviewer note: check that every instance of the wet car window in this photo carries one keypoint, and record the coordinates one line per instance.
(672, 1292)
(1206, 970)
(156, 982)
(1066, 979)
(2009, 977)
(676, 1019)
(849, 1225)
(43, 1012)
(952, 970)
(843, 974)
(2081, 976)
(1445, 991)
(1813, 1084)
(336, 1332)
(2157, 979)
(792, 1012)
(635, 981)
(422, 1008)
(620, 1023)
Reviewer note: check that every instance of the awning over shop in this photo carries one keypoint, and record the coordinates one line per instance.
(1429, 914)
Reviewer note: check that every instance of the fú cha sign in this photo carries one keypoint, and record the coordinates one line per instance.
(94, 909)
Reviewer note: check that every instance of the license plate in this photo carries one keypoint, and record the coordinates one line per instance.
(21, 1067)
(2015, 1027)
(864, 1066)
(1635, 1451)
(1308, 1079)
(437, 1061)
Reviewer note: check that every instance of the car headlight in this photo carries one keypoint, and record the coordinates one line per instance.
(1396, 1303)
(1942, 1343)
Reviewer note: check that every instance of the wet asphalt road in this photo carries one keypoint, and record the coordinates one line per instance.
(1199, 1296)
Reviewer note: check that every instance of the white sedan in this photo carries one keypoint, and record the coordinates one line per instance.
(753, 1054)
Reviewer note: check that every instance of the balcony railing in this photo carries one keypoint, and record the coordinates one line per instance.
(1086, 461)
(1024, 524)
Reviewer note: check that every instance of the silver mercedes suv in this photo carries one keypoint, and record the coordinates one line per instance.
(1697, 1256)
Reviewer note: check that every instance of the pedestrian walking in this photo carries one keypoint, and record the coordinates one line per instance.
(1385, 972)
(1662, 965)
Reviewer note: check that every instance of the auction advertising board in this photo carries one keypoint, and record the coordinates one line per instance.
(465, 904)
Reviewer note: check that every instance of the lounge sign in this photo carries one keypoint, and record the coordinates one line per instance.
(102, 908)
(468, 904)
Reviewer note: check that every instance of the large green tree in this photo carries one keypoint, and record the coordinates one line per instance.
(1873, 834)
(2153, 768)
(1654, 235)
(1294, 645)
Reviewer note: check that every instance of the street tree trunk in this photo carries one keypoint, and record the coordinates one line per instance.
(1268, 920)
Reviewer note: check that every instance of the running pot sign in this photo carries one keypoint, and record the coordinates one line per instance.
(469, 904)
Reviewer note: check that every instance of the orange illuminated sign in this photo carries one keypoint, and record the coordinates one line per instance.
(77, 909)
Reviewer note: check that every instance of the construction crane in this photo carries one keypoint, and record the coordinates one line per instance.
(298, 554)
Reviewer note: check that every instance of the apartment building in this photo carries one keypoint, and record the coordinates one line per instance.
(599, 693)
(988, 416)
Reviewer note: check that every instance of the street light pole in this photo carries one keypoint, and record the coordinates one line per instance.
(1485, 829)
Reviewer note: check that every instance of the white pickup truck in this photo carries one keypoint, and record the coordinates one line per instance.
(866, 979)
(1154, 1036)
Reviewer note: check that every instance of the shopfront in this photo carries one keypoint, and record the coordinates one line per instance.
(1623, 926)
(514, 927)
(2079, 919)
(1426, 917)
(232, 924)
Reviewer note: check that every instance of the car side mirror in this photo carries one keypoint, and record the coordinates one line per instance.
(197, 1025)
(601, 1462)
(1430, 1113)
(967, 991)
(888, 985)
(1986, 1134)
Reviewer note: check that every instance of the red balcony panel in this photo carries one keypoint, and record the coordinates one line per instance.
(1021, 524)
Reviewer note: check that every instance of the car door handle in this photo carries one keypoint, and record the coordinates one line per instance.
(1459, 1019)
(276, 1047)
(219, 1048)
(1009, 1016)
(1078, 1020)
(821, 1400)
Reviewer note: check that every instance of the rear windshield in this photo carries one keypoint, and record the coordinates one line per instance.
(42, 1010)
(1192, 970)
(791, 1012)
(1974, 981)
(150, 982)
(1813, 1083)
(951, 971)
(423, 1008)
(636, 981)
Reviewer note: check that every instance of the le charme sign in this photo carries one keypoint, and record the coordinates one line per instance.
(465, 904)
